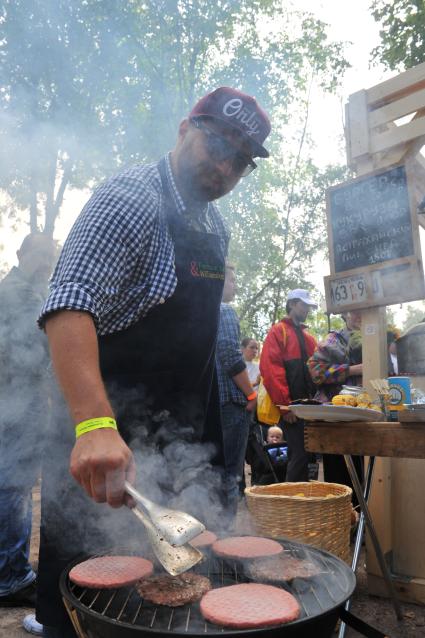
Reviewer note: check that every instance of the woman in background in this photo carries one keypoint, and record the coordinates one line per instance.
(250, 350)
(337, 361)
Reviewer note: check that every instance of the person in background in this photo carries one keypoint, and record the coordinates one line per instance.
(392, 337)
(250, 350)
(238, 398)
(283, 368)
(132, 320)
(24, 412)
(278, 452)
(337, 360)
(274, 434)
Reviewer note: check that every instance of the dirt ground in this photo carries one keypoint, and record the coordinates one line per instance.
(378, 612)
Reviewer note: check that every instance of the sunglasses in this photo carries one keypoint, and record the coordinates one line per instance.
(219, 149)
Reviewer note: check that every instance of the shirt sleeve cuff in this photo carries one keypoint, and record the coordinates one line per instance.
(69, 297)
(236, 368)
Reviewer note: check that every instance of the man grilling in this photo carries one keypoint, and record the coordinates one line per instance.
(132, 321)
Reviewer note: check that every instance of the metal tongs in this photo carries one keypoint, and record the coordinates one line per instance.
(169, 532)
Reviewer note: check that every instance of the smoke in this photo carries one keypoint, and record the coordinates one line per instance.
(23, 392)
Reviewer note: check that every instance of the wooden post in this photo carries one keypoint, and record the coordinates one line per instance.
(375, 366)
(376, 139)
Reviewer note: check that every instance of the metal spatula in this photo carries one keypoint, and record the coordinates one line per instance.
(175, 560)
(178, 528)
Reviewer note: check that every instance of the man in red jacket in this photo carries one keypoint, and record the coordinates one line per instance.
(286, 349)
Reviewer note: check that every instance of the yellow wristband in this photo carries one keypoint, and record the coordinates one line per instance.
(95, 424)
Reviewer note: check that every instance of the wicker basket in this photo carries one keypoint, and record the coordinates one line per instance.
(315, 513)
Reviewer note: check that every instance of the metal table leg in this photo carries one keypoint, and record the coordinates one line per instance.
(378, 551)
(359, 535)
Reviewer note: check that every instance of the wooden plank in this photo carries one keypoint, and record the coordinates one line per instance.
(350, 161)
(417, 169)
(398, 135)
(384, 286)
(403, 83)
(397, 109)
(383, 439)
(410, 590)
(411, 416)
(407, 153)
(357, 127)
(408, 479)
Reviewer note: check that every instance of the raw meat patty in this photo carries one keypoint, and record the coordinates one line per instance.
(249, 605)
(204, 540)
(281, 568)
(240, 547)
(108, 572)
(173, 591)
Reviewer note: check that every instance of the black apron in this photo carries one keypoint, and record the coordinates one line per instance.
(160, 376)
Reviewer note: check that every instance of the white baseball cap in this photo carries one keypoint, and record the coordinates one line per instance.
(303, 295)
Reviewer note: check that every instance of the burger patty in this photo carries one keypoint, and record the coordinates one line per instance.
(109, 572)
(249, 605)
(280, 569)
(203, 540)
(173, 591)
(244, 547)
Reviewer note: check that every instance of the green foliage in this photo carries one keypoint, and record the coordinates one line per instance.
(402, 33)
(319, 325)
(91, 86)
(415, 314)
(275, 238)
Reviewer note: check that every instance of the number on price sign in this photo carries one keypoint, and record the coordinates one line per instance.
(348, 290)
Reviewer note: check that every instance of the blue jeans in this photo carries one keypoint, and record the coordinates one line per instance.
(15, 534)
(235, 424)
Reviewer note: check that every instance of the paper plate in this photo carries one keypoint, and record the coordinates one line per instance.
(335, 413)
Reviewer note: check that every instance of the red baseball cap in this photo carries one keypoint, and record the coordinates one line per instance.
(239, 111)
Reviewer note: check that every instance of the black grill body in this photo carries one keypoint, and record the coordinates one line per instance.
(122, 613)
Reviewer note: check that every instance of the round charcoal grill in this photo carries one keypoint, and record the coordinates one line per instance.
(122, 613)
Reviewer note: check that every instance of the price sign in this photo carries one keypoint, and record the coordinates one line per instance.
(348, 291)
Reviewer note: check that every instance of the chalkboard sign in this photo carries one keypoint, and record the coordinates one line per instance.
(369, 220)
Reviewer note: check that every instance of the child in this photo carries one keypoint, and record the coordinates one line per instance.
(274, 434)
(278, 453)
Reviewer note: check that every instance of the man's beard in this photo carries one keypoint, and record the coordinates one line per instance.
(204, 183)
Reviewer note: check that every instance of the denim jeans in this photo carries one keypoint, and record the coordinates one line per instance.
(235, 423)
(15, 534)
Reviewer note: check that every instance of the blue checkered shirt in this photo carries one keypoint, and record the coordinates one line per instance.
(229, 357)
(118, 260)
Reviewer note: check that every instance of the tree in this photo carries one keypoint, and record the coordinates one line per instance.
(402, 28)
(89, 86)
(66, 75)
(274, 242)
(319, 325)
(92, 86)
(414, 314)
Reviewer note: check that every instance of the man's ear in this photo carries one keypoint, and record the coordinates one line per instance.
(183, 128)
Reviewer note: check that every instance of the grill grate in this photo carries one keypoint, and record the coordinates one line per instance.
(317, 595)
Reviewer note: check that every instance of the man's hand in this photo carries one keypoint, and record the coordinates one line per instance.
(287, 414)
(251, 406)
(101, 462)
